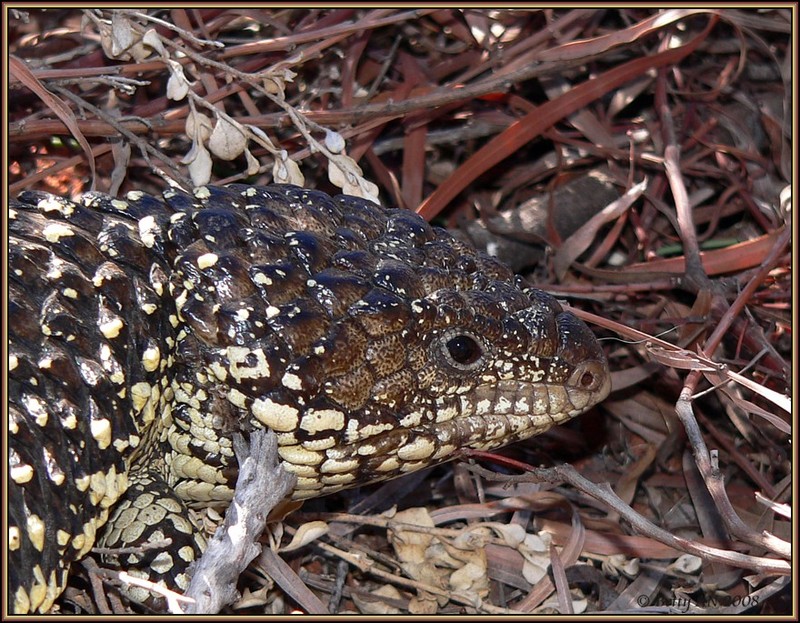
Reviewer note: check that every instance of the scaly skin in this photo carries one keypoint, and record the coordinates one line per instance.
(143, 332)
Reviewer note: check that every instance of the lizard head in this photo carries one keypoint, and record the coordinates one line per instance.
(372, 343)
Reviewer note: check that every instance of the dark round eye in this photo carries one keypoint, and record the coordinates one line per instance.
(463, 350)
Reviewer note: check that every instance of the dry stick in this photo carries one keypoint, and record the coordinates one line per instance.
(560, 579)
(375, 19)
(710, 470)
(605, 494)
(180, 31)
(96, 581)
(358, 114)
(285, 577)
(466, 598)
(697, 278)
(262, 484)
(683, 207)
(715, 482)
(143, 146)
(57, 106)
(745, 464)
(736, 307)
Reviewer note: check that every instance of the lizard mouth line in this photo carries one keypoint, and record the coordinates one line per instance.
(495, 415)
(491, 416)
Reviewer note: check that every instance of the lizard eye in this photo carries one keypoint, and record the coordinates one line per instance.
(463, 351)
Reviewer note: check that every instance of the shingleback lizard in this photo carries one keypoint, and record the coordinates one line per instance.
(144, 331)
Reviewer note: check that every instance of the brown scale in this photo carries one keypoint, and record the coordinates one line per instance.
(387, 355)
(351, 391)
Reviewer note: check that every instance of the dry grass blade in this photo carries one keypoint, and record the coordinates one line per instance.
(20, 72)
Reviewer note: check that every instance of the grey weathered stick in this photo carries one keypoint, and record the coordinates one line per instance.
(262, 484)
